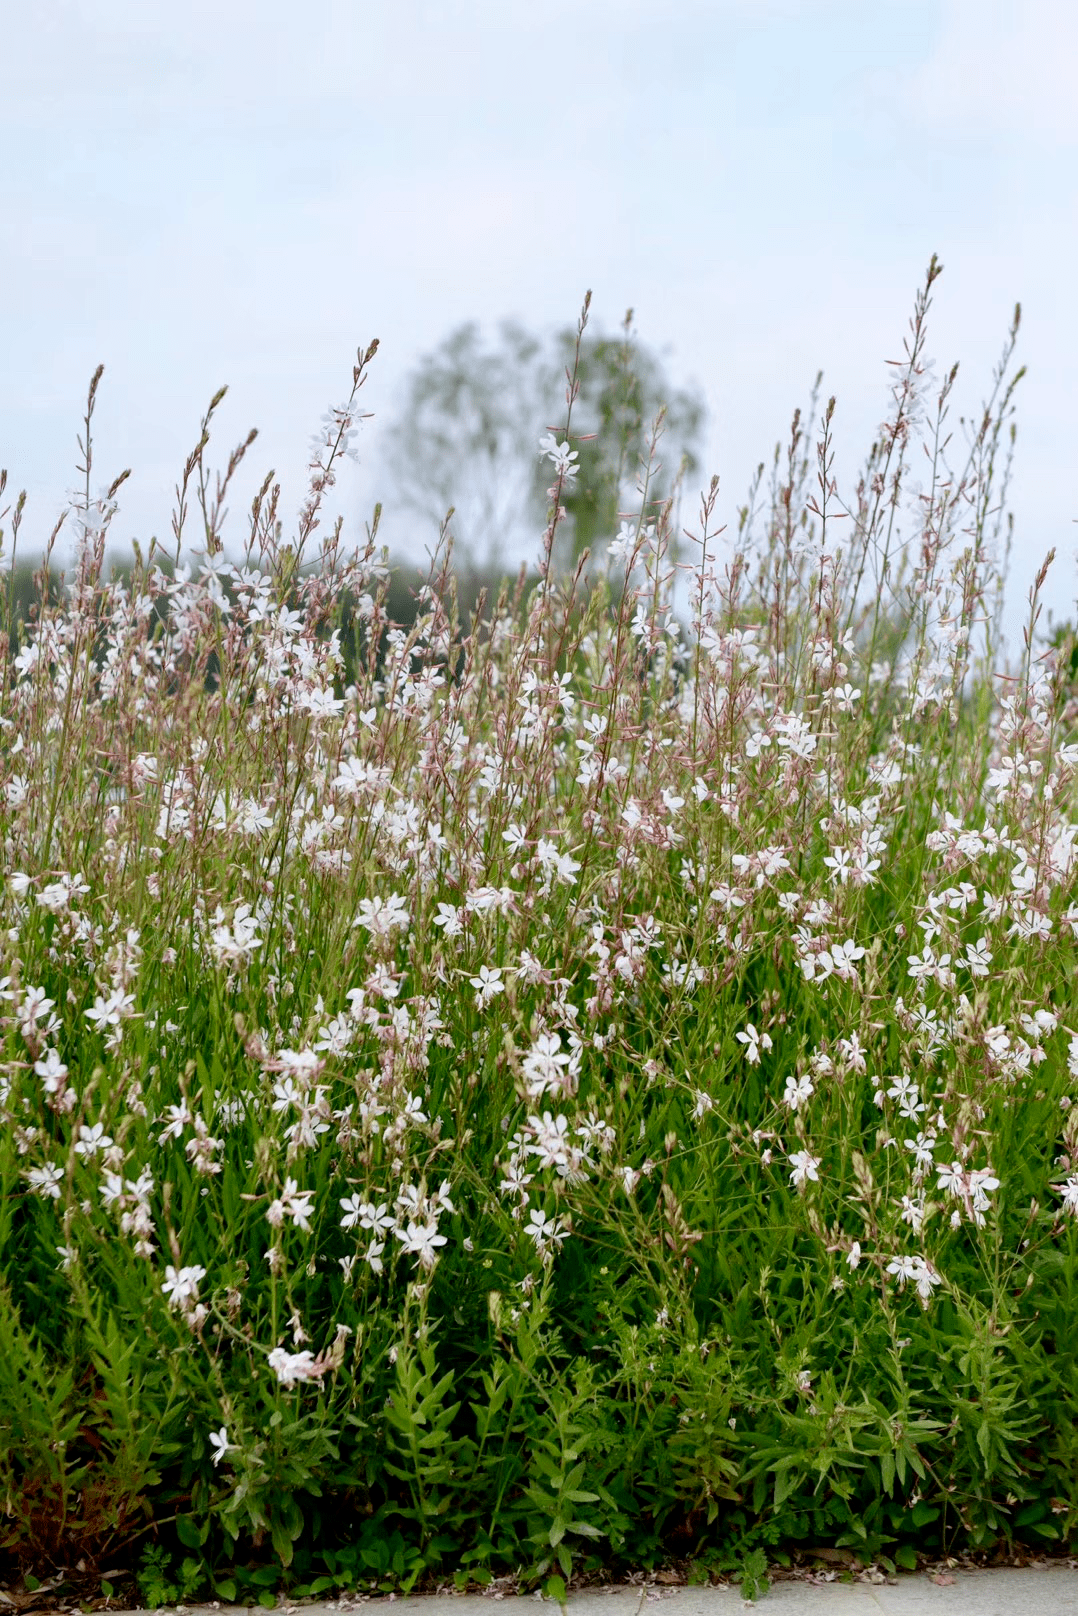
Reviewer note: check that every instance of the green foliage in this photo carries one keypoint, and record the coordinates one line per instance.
(155, 1577)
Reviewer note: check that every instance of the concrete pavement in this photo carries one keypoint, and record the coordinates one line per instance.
(1043, 1590)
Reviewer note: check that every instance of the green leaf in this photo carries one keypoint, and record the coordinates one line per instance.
(282, 1542)
(190, 1534)
(906, 1557)
(554, 1588)
(585, 1529)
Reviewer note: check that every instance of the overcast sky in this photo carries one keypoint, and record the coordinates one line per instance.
(244, 192)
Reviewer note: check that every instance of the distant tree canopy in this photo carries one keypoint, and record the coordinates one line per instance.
(468, 436)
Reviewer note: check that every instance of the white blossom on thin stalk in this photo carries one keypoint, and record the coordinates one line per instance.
(547, 1232)
(805, 1168)
(220, 1445)
(293, 1368)
(754, 1041)
(488, 984)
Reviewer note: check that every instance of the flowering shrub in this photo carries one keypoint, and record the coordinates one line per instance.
(569, 1088)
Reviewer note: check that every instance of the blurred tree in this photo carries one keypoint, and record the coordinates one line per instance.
(468, 436)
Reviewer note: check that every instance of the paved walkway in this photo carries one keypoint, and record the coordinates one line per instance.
(1050, 1590)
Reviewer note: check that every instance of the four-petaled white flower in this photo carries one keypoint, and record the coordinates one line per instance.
(111, 1011)
(366, 1214)
(91, 1140)
(488, 984)
(798, 1091)
(293, 1367)
(180, 1286)
(45, 1181)
(382, 916)
(1069, 1192)
(220, 1445)
(560, 455)
(754, 1041)
(544, 1230)
(804, 1168)
(924, 1276)
(420, 1240)
(292, 1203)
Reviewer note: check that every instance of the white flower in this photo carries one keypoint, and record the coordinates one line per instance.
(544, 1229)
(754, 1041)
(903, 1268)
(448, 916)
(922, 1148)
(622, 547)
(544, 1067)
(178, 1118)
(981, 1181)
(180, 1286)
(798, 1090)
(839, 864)
(366, 1214)
(804, 1168)
(413, 1113)
(952, 1179)
(297, 1204)
(560, 455)
(34, 1008)
(924, 1276)
(487, 984)
(235, 945)
(551, 1144)
(926, 1279)
(1069, 1192)
(843, 956)
(853, 1256)
(91, 1140)
(45, 1181)
(51, 1071)
(382, 916)
(57, 895)
(111, 1011)
(293, 1367)
(845, 697)
(703, 1104)
(420, 1240)
(516, 837)
(220, 1445)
